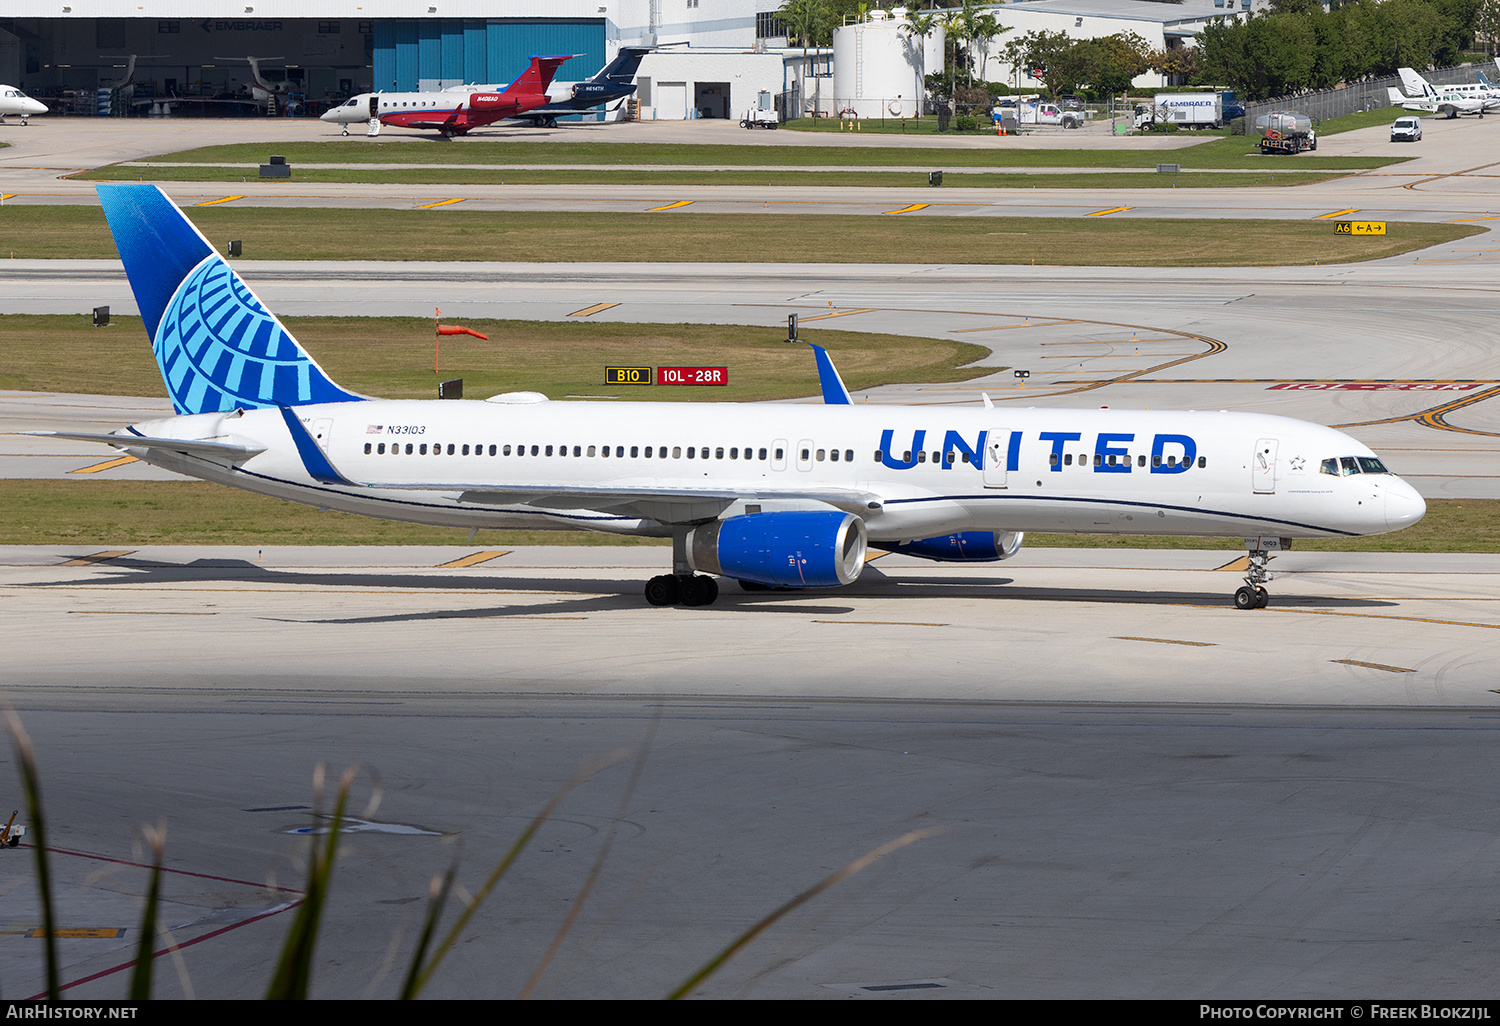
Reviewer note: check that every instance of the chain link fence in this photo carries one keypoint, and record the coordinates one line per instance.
(1370, 94)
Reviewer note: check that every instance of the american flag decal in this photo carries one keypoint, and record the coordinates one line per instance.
(373, 429)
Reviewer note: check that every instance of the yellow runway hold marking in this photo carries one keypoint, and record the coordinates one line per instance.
(106, 465)
(1462, 220)
(89, 932)
(1337, 213)
(474, 559)
(97, 557)
(910, 209)
(222, 199)
(669, 206)
(1238, 566)
(1111, 210)
(440, 203)
(589, 311)
(1166, 641)
(839, 313)
(8, 195)
(885, 623)
(1374, 666)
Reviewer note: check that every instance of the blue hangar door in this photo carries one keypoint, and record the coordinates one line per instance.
(412, 55)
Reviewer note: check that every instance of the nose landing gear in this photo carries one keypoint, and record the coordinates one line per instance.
(1253, 595)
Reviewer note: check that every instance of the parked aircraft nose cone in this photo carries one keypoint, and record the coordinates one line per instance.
(1403, 506)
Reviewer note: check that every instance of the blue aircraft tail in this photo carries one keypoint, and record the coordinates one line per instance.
(218, 347)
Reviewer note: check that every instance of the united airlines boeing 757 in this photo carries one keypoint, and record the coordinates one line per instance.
(773, 496)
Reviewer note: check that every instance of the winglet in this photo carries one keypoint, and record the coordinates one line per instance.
(834, 392)
(312, 457)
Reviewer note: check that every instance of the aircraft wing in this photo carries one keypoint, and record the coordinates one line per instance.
(197, 447)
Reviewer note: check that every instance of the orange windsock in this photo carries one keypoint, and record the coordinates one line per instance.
(457, 329)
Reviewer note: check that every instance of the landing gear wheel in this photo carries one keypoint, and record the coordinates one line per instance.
(1262, 599)
(663, 590)
(346, 129)
(698, 590)
(1245, 598)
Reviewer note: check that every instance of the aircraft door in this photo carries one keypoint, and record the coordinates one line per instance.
(778, 454)
(1263, 467)
(996, 458)
(804, 454)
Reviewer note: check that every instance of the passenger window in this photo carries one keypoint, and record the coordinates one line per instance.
(1171, 461)
(1052, 460)
(408, 448)
(921, 457)
(1156, 461)
(718, 454)
(619, 452)
(1202, 462)
(833, 454)
(848, 455)
(635, 451)
(1098, 460)
(821, 454)
(450, 448)
(691, 448)
(734, 453)
(780, 454)
(381, 451)
(367, 448)
(1067, 459)
(1140, 461)
(549, 450)
(466, 451)
(677, 452)
(422, 449)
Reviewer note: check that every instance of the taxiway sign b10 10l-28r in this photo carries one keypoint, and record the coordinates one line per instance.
(450, 112)
(784, 496)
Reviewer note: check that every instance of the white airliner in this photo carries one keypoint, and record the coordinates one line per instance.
(14, 101)
(1452, 100)
(771, 495)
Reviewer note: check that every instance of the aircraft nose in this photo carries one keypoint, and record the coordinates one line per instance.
(1403, 506)
(330, 115)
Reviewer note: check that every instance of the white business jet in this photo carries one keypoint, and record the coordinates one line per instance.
(770, 495)
(14, 101)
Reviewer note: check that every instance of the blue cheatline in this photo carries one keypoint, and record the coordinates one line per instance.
(218, 347)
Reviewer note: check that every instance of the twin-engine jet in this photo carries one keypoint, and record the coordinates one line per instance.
(14, 101)
(769, 495)
(450, 112)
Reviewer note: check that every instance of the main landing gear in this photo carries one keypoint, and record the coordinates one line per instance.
(1253, 595)
(682, 589)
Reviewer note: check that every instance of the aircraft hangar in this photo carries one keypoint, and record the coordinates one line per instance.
(73, 53)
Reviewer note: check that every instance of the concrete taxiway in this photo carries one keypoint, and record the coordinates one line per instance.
(1119, 785)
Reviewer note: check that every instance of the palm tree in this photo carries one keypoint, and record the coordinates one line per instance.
(985, 28)
(921, 26)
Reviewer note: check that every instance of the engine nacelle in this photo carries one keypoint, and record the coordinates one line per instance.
(963, 547)
(813, 549)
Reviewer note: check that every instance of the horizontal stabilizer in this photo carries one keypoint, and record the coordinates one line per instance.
(195, 446)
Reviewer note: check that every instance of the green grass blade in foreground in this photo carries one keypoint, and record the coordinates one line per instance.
(26, 760)
(294, 971)
(145, 956)
(421, 975)
(437, 899)
(715, 963)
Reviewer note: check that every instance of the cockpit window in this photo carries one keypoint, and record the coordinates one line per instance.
(1343, 466)
(1371, 465)
(1349, 465)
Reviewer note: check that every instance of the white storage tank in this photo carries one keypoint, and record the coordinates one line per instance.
(878, 65)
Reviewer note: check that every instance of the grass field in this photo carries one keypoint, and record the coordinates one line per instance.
(1211, 154)
(57, 232)
(134, 513)
(1273, 176)
(392, 357)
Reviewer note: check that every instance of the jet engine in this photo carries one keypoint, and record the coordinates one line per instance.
(963, 547)
(794, 549)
